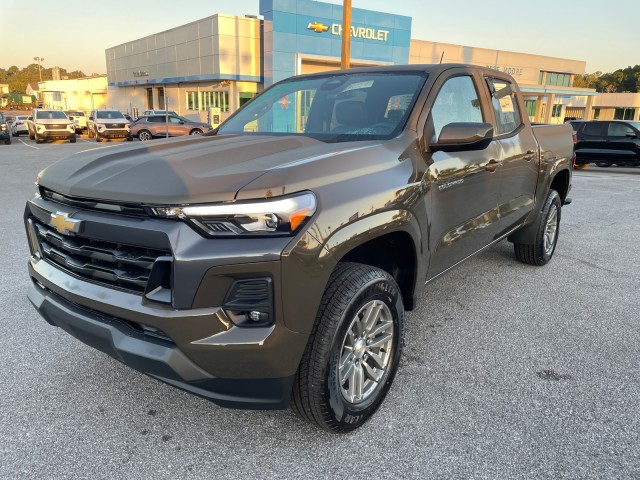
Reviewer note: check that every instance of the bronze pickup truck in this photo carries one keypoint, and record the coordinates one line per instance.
(270, 262)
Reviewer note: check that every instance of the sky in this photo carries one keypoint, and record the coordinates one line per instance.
(74, 34)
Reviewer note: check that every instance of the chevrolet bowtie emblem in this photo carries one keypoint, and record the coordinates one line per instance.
(318, 27)
(63, 224)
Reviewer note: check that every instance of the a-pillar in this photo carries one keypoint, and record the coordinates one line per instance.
(547, 114)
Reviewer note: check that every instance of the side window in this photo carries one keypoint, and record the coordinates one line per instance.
(155, 119)
(505, 106)
(174, 120)
(595, 129)
(457, 101)
(619, 129)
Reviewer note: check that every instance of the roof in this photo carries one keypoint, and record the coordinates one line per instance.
(34, 86)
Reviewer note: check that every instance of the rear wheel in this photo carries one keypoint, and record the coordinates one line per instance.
(195, 131)
(353, 351)
(7, 141)
(540, 251)
(603, 164)
(72, 139)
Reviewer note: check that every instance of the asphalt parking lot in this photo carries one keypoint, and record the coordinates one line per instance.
(509, 371)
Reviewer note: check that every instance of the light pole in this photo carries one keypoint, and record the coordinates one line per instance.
(39, 60)
(346, 34)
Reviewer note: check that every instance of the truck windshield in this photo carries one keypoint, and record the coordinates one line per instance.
(332, 108)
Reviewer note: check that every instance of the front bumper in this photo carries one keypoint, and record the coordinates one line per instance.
(56, 135)
(158, 358)
(114, 133)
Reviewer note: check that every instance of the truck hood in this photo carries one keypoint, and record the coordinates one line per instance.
(179, 171)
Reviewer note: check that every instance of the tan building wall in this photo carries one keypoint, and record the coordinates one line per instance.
(524, 67)
(82, 94)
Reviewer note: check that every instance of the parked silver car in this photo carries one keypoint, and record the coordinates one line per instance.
(19, 126)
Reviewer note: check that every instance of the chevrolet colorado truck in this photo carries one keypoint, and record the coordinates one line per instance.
(270, 262)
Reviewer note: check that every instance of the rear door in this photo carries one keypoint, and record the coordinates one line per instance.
(463, 185)
(593, 142)
(519, 154)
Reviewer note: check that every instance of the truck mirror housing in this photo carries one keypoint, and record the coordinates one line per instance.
(463, 136)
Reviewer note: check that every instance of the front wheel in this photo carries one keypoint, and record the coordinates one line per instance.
(546, 234)
(353, 351)
(195, 131)
(144, 135)
(603, 164)
(582, 166)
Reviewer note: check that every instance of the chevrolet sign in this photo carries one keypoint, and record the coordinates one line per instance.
(356, 32)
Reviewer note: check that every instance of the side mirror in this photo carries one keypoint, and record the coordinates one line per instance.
(463, 136)
(631, 135)
(70, 118)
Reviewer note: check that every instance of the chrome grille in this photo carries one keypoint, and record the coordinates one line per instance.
(114, 264)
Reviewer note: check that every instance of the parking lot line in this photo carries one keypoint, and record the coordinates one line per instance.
(26, 144)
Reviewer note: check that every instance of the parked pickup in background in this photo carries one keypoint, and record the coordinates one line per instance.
(271, 262)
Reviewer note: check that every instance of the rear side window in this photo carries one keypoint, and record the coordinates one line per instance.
(457, 101)
(595, 129)
(505, 106)
(155, 119)
(619, 129)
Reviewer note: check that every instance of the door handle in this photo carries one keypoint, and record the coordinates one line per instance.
(492, 165)
(529, 155)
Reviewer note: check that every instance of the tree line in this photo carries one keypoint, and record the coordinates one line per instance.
(622, 80)
(18, 79)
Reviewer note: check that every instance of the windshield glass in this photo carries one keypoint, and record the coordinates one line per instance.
(110, 115)
(332, 108)
(635, 124)
(50, 115)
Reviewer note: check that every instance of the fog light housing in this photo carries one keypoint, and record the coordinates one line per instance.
(249, 302)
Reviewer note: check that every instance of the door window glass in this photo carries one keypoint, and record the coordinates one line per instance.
(595, 129)
(619, 129)
(457, 101)
(505, 106)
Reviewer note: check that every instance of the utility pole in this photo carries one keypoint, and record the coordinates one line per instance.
(346, 34)
(39, 60)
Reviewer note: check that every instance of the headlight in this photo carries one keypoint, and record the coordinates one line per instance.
(277, 216)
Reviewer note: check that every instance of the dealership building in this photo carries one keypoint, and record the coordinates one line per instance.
(210, 67)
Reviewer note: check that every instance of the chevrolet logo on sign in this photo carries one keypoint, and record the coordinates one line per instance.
(318, 27)
(63, 224)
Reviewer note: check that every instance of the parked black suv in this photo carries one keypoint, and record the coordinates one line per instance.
(607, 142)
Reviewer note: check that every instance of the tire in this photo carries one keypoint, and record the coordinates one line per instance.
(129, 138)
(97, 135)
(8, 141)
(323, 393)
(72, 139)
(144, 135)
(31, 137)
(603, 164)
(89, 133)
(582, 166)
(546, 234)
(195, 131)
(38, 139)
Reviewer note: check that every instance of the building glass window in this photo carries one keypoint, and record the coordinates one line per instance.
(245, 97)
(555, 79)
(557, 110)
(207, 100)
(530, 105)
(624, 114)
(596, 113)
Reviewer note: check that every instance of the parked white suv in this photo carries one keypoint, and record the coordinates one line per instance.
(105, 124)
(46, 125)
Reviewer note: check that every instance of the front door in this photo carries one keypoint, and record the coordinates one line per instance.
(463, 185)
